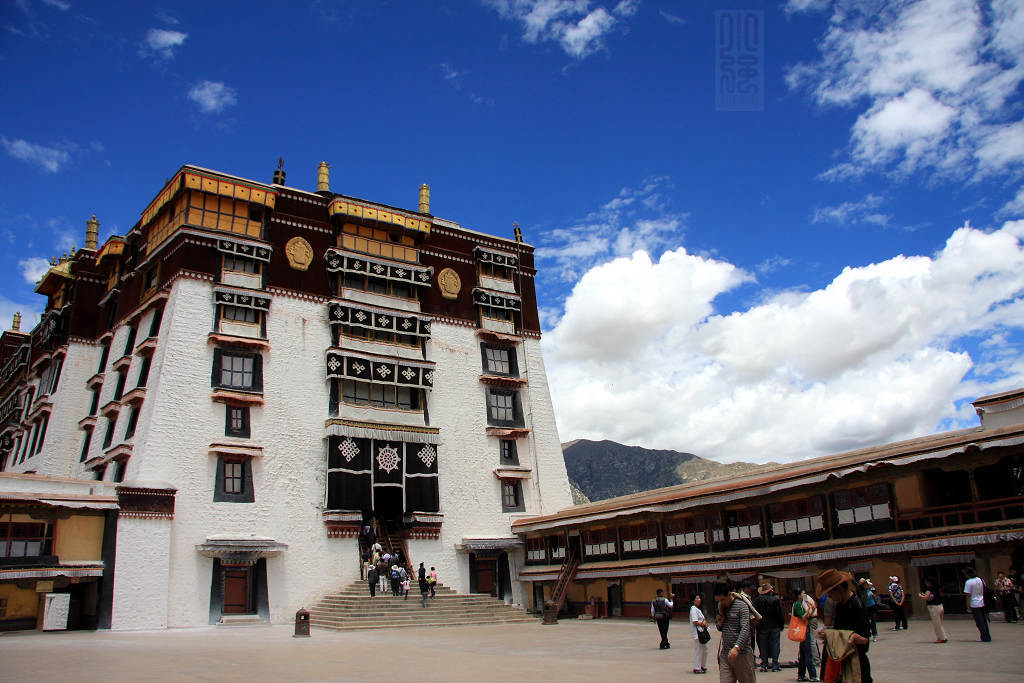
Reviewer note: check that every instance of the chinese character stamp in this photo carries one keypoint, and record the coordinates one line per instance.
(739, 60)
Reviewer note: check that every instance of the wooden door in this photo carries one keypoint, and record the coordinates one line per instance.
(238, 590)
(485, 576)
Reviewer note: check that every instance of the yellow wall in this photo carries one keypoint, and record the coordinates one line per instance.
(644, 588)
(79, 538)
(22, 603)
(907, 491)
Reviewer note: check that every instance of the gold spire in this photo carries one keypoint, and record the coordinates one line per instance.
(16, 324)
(92, 231)
(323, 177)
(424, 198)
(517, 231)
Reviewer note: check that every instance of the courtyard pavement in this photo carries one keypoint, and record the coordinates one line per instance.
(572, 650)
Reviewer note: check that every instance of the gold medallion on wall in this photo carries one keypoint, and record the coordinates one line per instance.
(299, 253)
(450, 284)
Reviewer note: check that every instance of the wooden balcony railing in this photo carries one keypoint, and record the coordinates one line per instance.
(963, 513)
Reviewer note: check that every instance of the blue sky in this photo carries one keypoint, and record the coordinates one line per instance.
(788, 280)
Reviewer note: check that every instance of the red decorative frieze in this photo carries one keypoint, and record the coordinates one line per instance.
(136, 501)
(424, 532)
(335, 530)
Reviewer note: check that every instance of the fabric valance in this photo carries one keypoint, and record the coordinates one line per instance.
(230, 297)
(338, 261)
(383, 432)
(486, 297)
(347, 365)
(378, 319)
(245, 249)
(498, 258)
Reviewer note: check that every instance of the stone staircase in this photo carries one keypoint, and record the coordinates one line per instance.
(353, 608)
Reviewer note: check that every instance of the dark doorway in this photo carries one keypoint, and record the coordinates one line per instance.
(504, 579)
(238, 589)
(615, 600)
(538, 596)
(951, 581)
(481, 574)
(387, 503)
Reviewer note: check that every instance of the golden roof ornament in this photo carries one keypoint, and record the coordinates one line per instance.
(424, 198)
(92, 231)
(16, 323)
(323, 177)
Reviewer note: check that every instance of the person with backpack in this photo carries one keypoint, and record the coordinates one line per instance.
(896, 598)
(701, 636)
(974, 587)
(736, 656)
(866, 593)
(804, 607)
(661, 614)
(767, 603)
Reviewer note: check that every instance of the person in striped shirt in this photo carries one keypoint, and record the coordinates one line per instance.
(736, 658)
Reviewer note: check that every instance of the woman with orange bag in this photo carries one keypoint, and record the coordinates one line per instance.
(804, 610)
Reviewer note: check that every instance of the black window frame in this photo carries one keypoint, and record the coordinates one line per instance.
(513, 361)
(129, 344)
(507, 452)
(133, 422)
(220, 494)
(156, 322)
(108, 436)
(512, 488)
(143, 377)
(86, 443)
(122, 378)
(244, 429)
(104, 357)
(517, 409)
(216, 374)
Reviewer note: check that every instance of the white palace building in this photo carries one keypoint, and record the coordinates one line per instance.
(214, 404)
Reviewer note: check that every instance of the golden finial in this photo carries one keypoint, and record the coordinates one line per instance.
(16, 324)
(424, 198)
(323, 177)
(517, 231)
(92, 231)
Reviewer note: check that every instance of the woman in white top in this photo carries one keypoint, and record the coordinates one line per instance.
(700, 650)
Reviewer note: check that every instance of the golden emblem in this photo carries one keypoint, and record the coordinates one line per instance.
(299, 253)
(450, 283)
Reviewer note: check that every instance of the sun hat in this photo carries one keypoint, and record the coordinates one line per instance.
(830, 578)
(765, 587)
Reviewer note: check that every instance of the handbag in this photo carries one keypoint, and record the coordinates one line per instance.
(832, 671)
(797, 631)
(702, 634)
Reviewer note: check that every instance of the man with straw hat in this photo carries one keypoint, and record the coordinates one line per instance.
(850, 625)
(769, 629)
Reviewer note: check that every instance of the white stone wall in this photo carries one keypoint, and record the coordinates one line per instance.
(142, 569)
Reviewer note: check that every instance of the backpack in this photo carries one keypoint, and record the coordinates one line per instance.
(661, 608)
(755, 616)
(990, 597)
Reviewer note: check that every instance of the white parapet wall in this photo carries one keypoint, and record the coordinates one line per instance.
(141, 574)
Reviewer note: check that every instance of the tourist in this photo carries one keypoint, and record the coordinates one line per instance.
(382, 574)
(1005, 589)
(736, 656)
(767, 603)
(424, 586)
(896, 599)
(395, 581)
(932, 596)
(699, 630)
(866, 592)
(804, 607)
(433, 581)
(850, 631)
(661, 614)
(975, 588)
(371, 579)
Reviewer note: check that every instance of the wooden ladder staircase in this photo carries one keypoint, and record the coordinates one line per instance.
(565, 575)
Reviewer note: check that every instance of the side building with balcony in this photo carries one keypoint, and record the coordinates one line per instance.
(921, 508)
(258, 371)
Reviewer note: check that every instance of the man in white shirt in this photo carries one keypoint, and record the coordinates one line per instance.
(974, 587)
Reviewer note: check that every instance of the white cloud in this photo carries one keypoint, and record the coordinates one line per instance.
(935, 81)
(672, 18)
(162, 42)
(849, 213)
(212, 96)
(1014, 207)
(33, 268)
(641, 356)
(58, 4)
(49, 159)
(452, 75)
(571, 23)
(806, 5)
(167, 18)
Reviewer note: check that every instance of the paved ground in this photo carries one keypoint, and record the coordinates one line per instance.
(604, 650)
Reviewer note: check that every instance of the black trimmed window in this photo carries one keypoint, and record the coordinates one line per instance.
(497, 313)
(797, 516)
(25, 539)
(511, 495)
(144, 371)
(380, 395)
(537, 550)
(639, 538)
(119, 389)
(359, 332)
(507, 450)
(133, 421)
(129, 344)
(51, 377)
(241, 264)
(377, 285)
(95, 405)
(86, 442)
(499, 360)
(864, 504)
(42, 433)
(237, 370)
(687, 532)
(104, 356)
(236, 421)
(743, 525)
(233, 481)
(253, 321)
(496, 271)
(599, 542)
(154, 324)
(504, 408)
(108, 436)
(119, 467)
